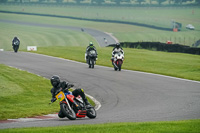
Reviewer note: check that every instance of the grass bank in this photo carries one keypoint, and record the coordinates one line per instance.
(158, 16)
(171, 64)
(123, 32)
(24, 94)
(187, 126)
(31, 35)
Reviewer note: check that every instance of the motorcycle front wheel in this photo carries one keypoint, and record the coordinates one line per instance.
(119, 64)
(15, 48)
(92, 63)
(70, 114)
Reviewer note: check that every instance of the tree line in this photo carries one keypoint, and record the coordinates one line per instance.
(104, 2)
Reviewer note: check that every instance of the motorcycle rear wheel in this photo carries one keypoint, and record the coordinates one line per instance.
(70, 114)
(91, 113)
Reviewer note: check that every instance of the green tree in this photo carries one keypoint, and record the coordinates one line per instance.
(78, 1)
(99, 2)
(40, 1)
(181, 1)
(3, 1)
(140, 1)
(117, 2)
(161, 1)
(59, 1)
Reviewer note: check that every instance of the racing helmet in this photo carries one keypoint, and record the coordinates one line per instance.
(55, 80)
(91, 44)
(117, 45)
(15, 38)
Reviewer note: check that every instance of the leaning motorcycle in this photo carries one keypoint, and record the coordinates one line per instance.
(74, 107)
(92, 57)
(117, 61)
(16, 46)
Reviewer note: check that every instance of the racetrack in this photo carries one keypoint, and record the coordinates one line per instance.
(126, 96)
(99, 36)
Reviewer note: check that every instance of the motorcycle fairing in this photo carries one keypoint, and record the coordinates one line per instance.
(81, 113)
(70, 97)
(117, 62)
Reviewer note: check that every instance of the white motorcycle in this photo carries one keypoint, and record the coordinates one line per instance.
(117, 61)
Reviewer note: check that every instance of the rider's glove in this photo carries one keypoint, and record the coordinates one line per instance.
(53, 100)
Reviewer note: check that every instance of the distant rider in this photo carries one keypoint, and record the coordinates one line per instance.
(116, 49)
(88, 49)
(15, 42)
(57, 85)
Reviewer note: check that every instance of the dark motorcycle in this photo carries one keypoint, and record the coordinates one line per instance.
(74, 107)
(92, 57)
(16, 46)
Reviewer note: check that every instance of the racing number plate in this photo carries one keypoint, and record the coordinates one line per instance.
(60, 96)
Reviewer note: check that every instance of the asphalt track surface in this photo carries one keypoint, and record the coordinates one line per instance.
(125, 96)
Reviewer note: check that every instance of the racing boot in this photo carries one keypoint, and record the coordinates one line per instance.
(112, 60)
(87, 103)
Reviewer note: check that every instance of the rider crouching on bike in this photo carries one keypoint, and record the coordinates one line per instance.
(55, 82)
(116, 49)
(88, 49)
(15, 42)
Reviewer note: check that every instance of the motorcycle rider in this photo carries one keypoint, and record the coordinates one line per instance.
(57, 85)
(88, 49)
(15, 42)
(116, 49)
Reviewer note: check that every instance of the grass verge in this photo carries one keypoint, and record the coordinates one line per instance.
(187, 126)
(24, 94)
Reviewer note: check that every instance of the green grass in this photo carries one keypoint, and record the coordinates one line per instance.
(41, 36)
(124, 33)
(160, 16)
(173, 64)
(24, 94)
(187, 126)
